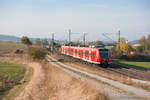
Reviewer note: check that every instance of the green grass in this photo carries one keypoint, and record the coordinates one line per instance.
(134, 64)
(10, 46)
(10, 75)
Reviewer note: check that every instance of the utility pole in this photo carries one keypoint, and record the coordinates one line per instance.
(119, 40)
(84, 38)
(69, 36)
(52, 47)
(69, 40)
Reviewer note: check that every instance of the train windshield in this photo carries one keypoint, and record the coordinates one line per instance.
(103, 53)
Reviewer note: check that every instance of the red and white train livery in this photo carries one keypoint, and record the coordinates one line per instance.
(93, 55)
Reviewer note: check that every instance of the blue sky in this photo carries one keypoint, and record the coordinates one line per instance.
(40, 18)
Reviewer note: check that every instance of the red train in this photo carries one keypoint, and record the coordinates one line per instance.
(92, 55)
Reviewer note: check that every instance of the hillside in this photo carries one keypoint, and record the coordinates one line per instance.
(9, 38)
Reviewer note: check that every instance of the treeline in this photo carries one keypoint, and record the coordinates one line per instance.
(144, 44)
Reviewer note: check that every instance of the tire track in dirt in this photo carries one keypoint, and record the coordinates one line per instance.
(34, 90)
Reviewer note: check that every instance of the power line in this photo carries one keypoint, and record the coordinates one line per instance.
(105, 34)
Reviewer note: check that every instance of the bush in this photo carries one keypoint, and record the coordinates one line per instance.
(37, 52)
(140, 57)
(134, 57)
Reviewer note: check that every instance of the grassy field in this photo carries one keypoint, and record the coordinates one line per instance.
(134, 64)
(10, 75)
(10, 46)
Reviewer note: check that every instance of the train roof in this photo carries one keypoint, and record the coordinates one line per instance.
(84, 47)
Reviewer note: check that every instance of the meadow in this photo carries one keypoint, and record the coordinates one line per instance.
(10, 75)
(134, 64)
(7, 47)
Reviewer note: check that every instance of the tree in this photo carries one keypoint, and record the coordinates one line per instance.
(91, 43)
(139, 49)
(74, 44)
(143, 43)
(148, 42)
(98, 42)
(38, 42)
(122, 40)
(122, 43)
(26, 40)
(125, 48)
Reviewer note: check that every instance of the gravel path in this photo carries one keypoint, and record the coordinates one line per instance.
(115, 89)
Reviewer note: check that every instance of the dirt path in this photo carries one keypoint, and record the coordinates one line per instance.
(34, 90)
(115, 89)
(51, 83)
(55, 84)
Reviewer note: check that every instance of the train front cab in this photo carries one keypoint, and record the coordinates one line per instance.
(104, 57)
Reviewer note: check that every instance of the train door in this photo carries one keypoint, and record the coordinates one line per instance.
(93, 56)
(71, 51)
(89, 55)
(76, 52)
(84, 57)
(86, 54)
(97, 56)
(81, 53)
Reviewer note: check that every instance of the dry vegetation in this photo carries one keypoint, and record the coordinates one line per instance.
(50, 83)
(47, 82)
(64, 87)
(120, 78)
(7, 47)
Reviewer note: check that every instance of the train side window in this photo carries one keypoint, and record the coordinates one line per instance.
(81, 53)
(86, 54)
(89, 54)
(92, 55)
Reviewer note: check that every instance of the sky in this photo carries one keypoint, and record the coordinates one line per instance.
(41, 18)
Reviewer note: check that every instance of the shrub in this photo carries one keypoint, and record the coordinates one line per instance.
(37, 52)
(134, 57)
(123, 57)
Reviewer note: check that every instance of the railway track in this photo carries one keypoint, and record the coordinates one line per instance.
(131, 72)
(123, 91)
(115, 69)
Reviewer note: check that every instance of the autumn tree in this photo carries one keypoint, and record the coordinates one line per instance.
(122, 40)
(118, 45)
(139, 49)
(125, 48)
(26, 40)
(98, 42)
(148, 42)
(91, 43)
(143, 42)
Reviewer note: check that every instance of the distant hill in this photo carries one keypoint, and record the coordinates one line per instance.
(9, 38)
(4, 38)
(18, 39)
